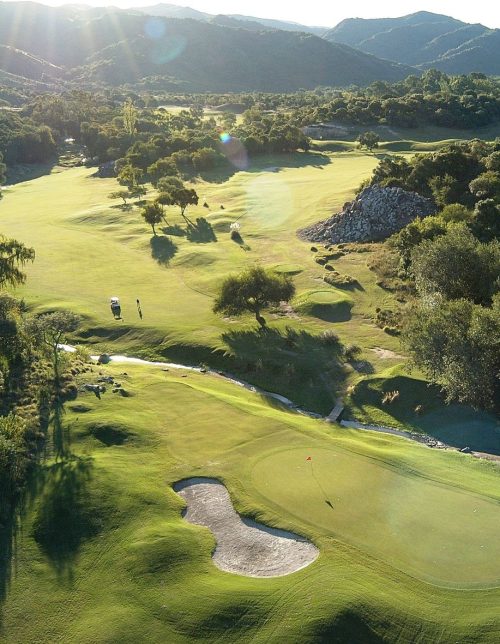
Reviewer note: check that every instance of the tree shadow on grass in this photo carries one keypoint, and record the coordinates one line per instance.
(273, 163)
(174, 229)
(201, 232)
(163, 249)
(308, 369)
(67, 514)
(346, 626)
(124, 207)
(9, 529)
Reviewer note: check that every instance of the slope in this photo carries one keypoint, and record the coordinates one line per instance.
(103, 554)
(209, 57)
(425, 40)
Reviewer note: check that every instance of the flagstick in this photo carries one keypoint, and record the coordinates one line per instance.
(327, 500)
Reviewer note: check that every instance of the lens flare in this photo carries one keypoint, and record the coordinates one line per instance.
(234, 150)
(269, 200)
(154, 28)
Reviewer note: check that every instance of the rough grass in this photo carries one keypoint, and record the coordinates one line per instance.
(408, 544)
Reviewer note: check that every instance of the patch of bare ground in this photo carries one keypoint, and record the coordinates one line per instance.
(244, 547)
(386, 354)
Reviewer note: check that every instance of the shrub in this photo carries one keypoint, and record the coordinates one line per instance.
(352, 352)
(337, 279)
(329, 338)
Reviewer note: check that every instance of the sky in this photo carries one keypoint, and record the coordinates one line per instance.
(325, 12)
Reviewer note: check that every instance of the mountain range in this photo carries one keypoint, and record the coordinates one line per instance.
(425, 40)
(175, 11)
(167, 47)
(92, 46)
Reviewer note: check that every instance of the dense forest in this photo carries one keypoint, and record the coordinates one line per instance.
(451, 264)
(270, 123)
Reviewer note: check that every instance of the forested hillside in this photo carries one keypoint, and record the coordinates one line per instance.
(424, 39)
(96, 46)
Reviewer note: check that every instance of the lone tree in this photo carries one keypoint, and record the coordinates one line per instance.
(252, 291)
(153, 214)
(120, 194)
(368, 140)
(51, 330)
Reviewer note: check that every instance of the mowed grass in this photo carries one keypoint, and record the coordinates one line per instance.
(89, 248)
(408, 545)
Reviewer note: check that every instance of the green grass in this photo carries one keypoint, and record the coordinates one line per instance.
(101, 554)
(107, 250)
(408, 552)
(453, 424)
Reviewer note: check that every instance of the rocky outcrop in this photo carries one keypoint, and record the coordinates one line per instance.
(375, 214)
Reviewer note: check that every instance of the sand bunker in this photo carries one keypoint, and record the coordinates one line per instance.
(244, 546)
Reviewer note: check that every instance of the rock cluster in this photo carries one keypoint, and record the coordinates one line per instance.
(375, 214)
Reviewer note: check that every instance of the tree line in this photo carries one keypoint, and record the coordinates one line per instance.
(451, 324)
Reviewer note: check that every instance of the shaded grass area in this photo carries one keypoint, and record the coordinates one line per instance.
(420, 407)
(135, 571)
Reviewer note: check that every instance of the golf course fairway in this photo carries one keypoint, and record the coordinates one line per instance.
(99, 551)
(408, 543)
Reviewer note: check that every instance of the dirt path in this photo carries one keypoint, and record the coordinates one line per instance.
(244, 547)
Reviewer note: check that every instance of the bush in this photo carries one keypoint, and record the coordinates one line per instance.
(352, 352)
(338, 279)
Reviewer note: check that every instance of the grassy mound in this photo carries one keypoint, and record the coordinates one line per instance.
(330, 306)
(110, 433)
(288, 269)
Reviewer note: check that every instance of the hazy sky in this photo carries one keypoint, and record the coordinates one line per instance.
(326, 12)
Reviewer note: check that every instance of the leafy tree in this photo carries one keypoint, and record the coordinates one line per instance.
(174, 193)
(129, 117)
(136, 192)
(414, 234)
(457, 343)
(252, 291)
(164, 167)
(456, 213)
(486, 185)
(184, 197)
(492, 162)
(13, 255)
(153, 215)
(456, 265)
(445, 190)
(228, 120)
(14, 461)
(130, 176)
(51, 330)
(368, 140)
(486, 222)
(120, 194)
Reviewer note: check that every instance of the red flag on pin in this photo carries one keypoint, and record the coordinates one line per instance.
(309, 458)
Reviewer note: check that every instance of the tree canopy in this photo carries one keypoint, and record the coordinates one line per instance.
(252, 291)
(456, 265)
(13, 256)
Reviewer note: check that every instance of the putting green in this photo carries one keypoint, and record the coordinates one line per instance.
(436, 532)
